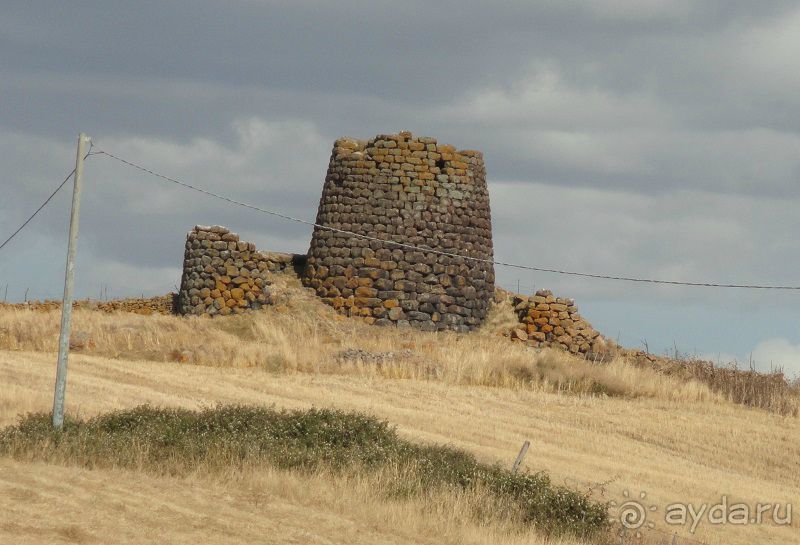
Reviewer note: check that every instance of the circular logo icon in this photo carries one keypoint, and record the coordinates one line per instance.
(632, 514)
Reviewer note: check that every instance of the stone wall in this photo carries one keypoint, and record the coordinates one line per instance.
(412, 191)
(549, 321)
(148, 305)
(224, 275)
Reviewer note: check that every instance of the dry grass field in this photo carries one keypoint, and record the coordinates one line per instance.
(600, 427)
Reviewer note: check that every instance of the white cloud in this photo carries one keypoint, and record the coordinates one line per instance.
(133, 225)
(770, 52)
(778, 352)
(541, 97)
(688, 235)
(594, 135)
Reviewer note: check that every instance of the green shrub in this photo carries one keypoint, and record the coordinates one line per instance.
(177, 441)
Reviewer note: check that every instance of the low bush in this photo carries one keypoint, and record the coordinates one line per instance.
(180, 441)
(770, 391)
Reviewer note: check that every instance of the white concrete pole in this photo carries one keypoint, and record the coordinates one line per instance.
(66, 306)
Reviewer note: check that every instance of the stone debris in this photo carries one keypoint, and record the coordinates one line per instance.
(181, 356)
(413, 191)
(80, 340)
(549, 321)
(371, 358)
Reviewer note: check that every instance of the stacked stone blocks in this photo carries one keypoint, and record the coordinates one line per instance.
(163, 304)
(416, 192)
(549, 321)
(223, 275)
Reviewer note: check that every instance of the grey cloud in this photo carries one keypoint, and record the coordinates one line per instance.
(647, 137)
(688, 236)
(640, 95)
(422, 52)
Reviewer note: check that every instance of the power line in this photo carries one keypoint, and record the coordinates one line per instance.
(53, 194)
(27, 221)
(437, 252)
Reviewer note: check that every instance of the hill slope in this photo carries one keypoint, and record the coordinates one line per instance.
(610, 428)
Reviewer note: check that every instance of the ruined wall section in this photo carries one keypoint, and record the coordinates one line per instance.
(163, 304)
(547, 321)
(224, 275)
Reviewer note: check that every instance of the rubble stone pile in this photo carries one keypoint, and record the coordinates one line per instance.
(413, 191)
(549, 321)
(224, 275)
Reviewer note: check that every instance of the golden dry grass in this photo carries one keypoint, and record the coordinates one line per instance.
(267, 506)
(308, 337)
(674, 439)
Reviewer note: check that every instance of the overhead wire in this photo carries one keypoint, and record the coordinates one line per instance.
(278, 214)
(27, 221)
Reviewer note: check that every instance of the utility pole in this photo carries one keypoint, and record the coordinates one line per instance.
(69, 276)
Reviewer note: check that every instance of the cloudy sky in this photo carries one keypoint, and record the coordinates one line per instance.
(656, 138)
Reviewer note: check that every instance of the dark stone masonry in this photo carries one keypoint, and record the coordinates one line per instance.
(413, 191)
(224, 275)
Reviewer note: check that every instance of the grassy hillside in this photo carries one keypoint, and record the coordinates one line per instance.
(599, 429)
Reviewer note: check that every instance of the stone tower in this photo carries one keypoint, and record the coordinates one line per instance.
(415, 192)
